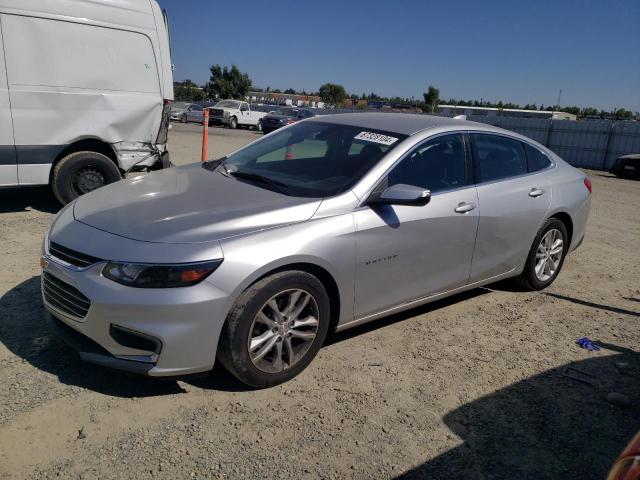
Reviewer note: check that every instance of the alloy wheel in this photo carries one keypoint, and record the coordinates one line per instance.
(283, 330)
(549, 255)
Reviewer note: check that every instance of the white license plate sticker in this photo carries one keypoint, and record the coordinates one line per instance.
(376, 138)
(629, 167)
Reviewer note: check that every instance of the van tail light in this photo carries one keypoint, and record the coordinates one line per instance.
(166, 101)
(587, 183)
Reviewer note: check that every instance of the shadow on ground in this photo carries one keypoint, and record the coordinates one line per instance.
(25, 332)
(14, 199)
(549, 426)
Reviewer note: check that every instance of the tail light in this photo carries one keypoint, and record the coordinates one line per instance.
(166, 101)
(290, 121)
(587, 183)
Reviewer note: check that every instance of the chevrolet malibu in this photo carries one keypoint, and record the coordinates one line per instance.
(326, 224)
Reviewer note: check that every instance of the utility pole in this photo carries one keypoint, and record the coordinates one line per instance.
(559, 97)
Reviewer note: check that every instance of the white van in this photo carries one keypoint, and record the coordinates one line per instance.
(85, 87)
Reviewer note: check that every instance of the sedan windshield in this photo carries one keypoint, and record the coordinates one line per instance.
(228, 104)
(311, 159)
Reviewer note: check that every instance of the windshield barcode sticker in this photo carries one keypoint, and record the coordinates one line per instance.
(376, 137)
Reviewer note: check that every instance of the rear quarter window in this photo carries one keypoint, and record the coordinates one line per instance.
(536, 160)
(55, 53)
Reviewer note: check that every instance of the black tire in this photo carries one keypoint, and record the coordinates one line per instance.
(233, 350)
(528, 280)
(183, 118)
(233, 123)
(80, 173)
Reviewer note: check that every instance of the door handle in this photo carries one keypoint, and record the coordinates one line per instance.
(536, 192)
(464, 207)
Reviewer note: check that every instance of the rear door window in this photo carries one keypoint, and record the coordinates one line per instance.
(536, 160)
(497, 157)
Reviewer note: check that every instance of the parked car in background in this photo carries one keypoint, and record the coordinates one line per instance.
(627, 166)
(177, 109)
(193, 113)
(284, 116)
(253, 258)
(235, 113)
(85, 89)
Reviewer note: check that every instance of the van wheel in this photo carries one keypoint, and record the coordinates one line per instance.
(80, 173)
(233, 122)
(275, 329)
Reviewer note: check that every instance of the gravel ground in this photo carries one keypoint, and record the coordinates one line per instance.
(471, 387)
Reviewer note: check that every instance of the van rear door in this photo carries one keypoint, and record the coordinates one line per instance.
(8, 165)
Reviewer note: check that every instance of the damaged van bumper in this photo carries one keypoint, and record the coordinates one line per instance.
(140, 155)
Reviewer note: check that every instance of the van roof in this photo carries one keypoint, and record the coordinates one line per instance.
(133, 13)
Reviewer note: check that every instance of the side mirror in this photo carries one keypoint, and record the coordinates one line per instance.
(402, 194)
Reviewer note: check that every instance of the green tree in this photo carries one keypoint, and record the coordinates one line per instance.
(333, 94)
(573, 110)
(431, 98)
(187, 91)
(589, 112)
(290, 91)
(228, 82)
(622, 114)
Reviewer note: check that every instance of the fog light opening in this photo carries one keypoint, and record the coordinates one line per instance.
(132, 339)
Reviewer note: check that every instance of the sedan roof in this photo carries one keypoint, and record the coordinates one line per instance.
(404, 123)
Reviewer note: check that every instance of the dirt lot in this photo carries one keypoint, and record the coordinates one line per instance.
(470, 387)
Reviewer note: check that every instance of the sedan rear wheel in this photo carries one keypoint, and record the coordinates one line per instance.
(549, 255)
(546, 256)
(275, 329)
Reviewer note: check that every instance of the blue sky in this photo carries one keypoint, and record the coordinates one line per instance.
(519, 51)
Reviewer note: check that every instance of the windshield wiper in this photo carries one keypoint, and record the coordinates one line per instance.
(213, 165)
(256, 177)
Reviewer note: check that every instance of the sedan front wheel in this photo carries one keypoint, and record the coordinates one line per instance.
(275, 329)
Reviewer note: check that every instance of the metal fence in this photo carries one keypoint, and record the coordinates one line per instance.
(591, 144)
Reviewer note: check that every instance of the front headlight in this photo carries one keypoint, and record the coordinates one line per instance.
(144, 275)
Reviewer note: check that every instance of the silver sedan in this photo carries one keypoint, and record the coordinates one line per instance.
(323, 225)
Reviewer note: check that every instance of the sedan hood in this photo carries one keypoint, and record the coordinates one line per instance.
(188, 205)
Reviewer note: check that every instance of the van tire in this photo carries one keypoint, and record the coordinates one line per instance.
(81, 172)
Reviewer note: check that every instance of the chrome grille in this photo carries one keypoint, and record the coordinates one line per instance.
(216, 112)
(71, 256)
(64, 297)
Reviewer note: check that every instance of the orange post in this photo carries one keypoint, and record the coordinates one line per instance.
(205, 133)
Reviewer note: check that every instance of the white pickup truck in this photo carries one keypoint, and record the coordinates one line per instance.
(234, 113)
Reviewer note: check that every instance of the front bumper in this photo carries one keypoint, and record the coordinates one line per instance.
(219, 120)
(185, 323)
